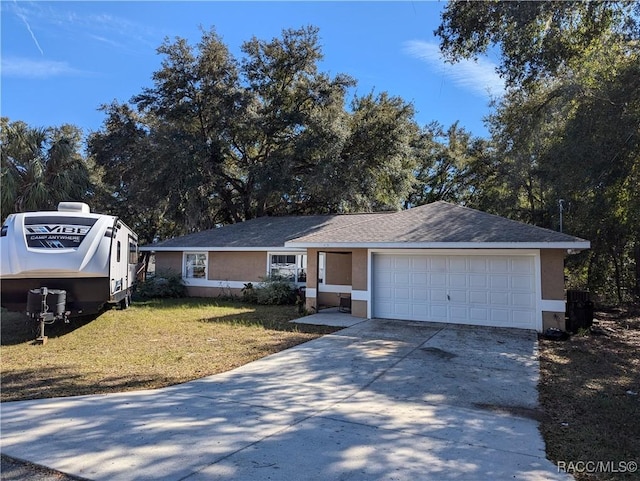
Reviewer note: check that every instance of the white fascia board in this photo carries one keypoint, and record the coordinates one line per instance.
(151, 248)
(575, 246)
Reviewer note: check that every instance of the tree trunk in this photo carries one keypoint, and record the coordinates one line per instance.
(618, 276)
(636, 255)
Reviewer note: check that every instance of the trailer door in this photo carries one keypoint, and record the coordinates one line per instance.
(119, 268)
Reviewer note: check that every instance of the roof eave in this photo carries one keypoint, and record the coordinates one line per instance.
(152, 248)
(573, 246)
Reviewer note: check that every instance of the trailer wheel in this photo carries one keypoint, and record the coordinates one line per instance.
(125, 303)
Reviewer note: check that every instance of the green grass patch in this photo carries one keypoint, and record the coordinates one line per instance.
(150, 345)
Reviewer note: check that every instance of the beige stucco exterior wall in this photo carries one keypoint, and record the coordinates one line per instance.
(359, 308)
(246, 266)
(552, 285)
(347, 268)
(359, 271)
(237, 266)
(169, 261)
(328, 299)
(552, 273)
(312, 268)
(311, 302)
(337, 268)
(226, 266)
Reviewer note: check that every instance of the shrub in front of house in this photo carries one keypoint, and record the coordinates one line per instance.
(273, 290)
(164, 284)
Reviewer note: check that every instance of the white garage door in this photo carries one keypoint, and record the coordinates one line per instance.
(481, 290)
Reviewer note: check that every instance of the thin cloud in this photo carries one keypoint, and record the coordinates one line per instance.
(116, 31)
(479, 77)
(37, 69)
(21, 14)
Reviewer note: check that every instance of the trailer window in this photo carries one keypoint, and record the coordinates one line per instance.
(118, 252)
(133, 251)
(195, 265)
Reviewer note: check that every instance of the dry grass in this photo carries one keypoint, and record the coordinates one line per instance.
(590, 391)
(150, 345)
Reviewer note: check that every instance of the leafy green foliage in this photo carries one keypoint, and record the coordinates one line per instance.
(536, 39)
(271, 291)
(275, 291)
(569, 126)
(167, 284)
(220, 140)
(41, 167)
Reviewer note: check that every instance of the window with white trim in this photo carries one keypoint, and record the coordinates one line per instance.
(292, 267)
(195, 265)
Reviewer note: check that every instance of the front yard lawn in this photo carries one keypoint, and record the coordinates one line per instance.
(150, 345)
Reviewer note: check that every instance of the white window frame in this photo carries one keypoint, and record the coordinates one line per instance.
(185, 269)
(301, 263)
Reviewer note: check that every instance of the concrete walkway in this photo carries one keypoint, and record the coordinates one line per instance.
(380, 400)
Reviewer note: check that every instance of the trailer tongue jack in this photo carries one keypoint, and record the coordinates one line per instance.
(46, 306)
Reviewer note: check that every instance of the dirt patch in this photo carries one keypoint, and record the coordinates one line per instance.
(590, 394)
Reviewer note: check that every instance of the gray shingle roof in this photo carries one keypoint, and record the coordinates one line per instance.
(262, 232)
(438, 222)
(435, 223)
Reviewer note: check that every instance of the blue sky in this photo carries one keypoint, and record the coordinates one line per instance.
(62, 60)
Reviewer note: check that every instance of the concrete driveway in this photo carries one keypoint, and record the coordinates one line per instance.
(381, 400)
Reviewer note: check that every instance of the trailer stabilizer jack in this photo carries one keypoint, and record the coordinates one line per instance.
(46, 306)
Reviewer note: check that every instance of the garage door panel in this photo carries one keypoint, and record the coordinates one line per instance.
(472, 289)
(401, 293)
(458, 313)
(383, 295)
(458, 280)
(499, 298)
(479, 313)
(438, 312)
(402, 262)
(499, 265)
(478, 264)
(438, 264)
(457, 264)
(419, 311)
(419, 294)
(499, 315)
(401, 278)
(438, 295)
(458, 296)
(477, 280)
(385, 277)
(521, 266)
(419, 278)
(478, 297)
(500, 281)
(522, 300)
(524, 283)
(419, 263)
(522, 317)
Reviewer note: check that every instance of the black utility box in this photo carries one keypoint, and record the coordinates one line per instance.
(579, 314)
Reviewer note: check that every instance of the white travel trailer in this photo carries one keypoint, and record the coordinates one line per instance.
(66, 263)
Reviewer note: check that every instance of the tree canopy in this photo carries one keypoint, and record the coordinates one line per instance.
(217, 139)
(41, 167)
(568, 129)
(227, 140)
